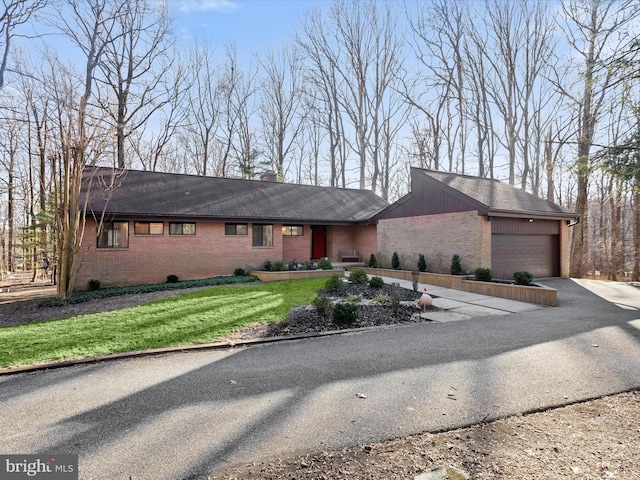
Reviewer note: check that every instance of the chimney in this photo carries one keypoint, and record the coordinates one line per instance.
(269, 176)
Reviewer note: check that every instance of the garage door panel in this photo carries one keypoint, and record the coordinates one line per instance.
(538, 254)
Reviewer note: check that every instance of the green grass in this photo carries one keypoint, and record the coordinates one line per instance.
(188, 319)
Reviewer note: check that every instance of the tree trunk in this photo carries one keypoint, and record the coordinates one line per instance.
(580, 239)
(614, 232)
(636, 234)
(548, 163)
(10, 208)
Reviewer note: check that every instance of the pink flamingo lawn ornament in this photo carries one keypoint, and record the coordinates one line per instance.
(425, 300)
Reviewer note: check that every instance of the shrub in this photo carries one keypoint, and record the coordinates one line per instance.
(422, 263)
(293, 265)
(353, 298)
(324, 264)
(456, 265)
(322, 304)
(278, 267)
(172, 278)
(373, 261)
(239, 272)
(376, 282)
(483, 274)
(359, 276)
(267, 265)
(93, 284)
(334, 283)
(345, 313)
(395, 261)
(78, 297)
(380, 299)
(523, 278)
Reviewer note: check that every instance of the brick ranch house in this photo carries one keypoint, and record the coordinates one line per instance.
(158, 224)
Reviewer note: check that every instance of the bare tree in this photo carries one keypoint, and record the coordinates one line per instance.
(241, 110)
(479, 104)
(89, 26)
(134, 64)
(9, 151)
(437, 37)
(37, 109)
(322, 89)
(394, 118)
(367, 56)
(239, 144)
(311, 141)
(538, 101)
(387, 109)
(557, 136)
(594, 31)
(204, 107)
(155, 137)
(354, 58)
(280, 112)
(424, 146)
(12, 14)
(228, 86)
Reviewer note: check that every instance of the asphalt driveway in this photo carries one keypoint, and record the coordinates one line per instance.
(182, 415)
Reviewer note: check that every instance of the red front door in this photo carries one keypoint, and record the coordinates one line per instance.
(318, 242)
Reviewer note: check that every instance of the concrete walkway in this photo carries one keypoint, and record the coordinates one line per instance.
(456, 305)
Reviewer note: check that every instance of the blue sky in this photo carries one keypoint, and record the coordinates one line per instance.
(253, 25)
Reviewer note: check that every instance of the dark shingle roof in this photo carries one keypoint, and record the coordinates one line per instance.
(495, 194)
(153, 194)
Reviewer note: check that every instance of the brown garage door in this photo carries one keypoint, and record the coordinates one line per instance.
(538, 254)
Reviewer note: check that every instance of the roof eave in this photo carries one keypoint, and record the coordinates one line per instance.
(494, 212)
(210, 218)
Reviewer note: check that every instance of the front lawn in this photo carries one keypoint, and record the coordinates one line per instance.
(197, 317)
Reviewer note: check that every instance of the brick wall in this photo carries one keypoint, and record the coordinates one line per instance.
(150, 258)
(339, 237)
(366, 237)
(297, 248)
(363, 238)
(438, 237)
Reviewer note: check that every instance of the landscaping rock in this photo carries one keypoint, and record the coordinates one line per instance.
(443, 473)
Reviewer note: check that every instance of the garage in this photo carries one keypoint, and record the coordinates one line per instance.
(525, 244)
(486, 222)
(538, 254)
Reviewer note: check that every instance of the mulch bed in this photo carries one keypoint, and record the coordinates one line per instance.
(305, 319)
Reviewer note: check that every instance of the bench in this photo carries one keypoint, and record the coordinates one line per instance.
(349, 255)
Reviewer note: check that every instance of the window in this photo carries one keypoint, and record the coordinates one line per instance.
(292, 230)
(148, 228)
(182, 228)
(114, 235)
(262, 235)
(236, 229)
